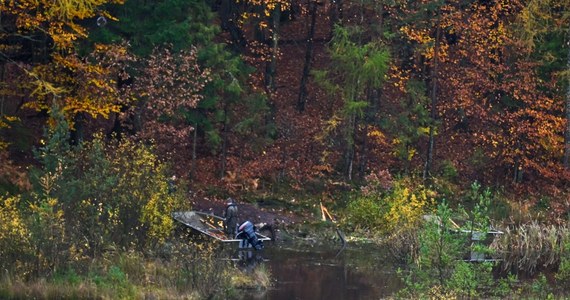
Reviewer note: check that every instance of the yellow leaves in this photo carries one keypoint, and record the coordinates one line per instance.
(11, 223)
(11, 118)
(329, 126)
(399, 77)
(5, 121)
(44, 88)
(69, 10)
(421, 35)
(376, 133)
(411, 153)
(407, 206)
(56, 17)
(390, 206)
(262, 10)
(65, 78)
(156, 214)
(423, 130)
(59, 81)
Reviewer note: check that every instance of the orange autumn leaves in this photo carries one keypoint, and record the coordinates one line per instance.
(489, 82)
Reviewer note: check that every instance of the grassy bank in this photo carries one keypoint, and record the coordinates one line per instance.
(432, 229)
(180, 271)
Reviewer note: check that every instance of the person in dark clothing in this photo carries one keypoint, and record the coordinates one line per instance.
(231, 217)
(172, 184)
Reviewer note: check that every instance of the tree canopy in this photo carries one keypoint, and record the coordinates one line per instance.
(464, 90)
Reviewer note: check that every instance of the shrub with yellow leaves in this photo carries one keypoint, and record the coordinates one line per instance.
(385, 205)
(109, 194)
(407, 205)
(14, 233)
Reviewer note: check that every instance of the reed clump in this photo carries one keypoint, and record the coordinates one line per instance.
(258, 279)
(532, 247)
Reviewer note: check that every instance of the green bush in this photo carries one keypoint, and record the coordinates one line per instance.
(114, 193)
(86, 200)
(563, 274)
(440, 266)
(388, 207)
(448, 170)
(116, 282)
(365, 213)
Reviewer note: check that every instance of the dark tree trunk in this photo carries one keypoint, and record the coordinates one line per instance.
(3, 97)
(373, 96)
(350, 146)
(308, 57)
(229, 13)
(271, 66)
(567, 135)
(518, 169)
(194, 148)
(374, 102)
(335, 13)
(224, 143)
(76, 134)
(433, 96)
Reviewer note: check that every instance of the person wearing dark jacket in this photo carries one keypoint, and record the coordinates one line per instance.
(231, 217)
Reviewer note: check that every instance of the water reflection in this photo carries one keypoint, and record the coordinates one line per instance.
(363, 272)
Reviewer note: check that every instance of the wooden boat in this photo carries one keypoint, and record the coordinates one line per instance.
(212, 226)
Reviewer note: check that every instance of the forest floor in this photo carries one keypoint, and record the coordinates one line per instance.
(257, 213)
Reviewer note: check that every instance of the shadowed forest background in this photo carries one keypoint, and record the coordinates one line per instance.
(245, 95)
(103, 101)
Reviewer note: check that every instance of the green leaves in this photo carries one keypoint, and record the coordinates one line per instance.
(357, 68)
(361, 66)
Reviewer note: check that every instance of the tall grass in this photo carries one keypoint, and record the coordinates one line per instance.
(532, 247)
(259, 278)
(183, 271)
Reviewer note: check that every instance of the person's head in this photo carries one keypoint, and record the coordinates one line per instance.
(230, 201)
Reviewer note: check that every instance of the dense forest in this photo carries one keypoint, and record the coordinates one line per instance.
(102, 101)
(258, 93)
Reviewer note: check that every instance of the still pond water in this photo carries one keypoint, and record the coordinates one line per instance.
(319, 272)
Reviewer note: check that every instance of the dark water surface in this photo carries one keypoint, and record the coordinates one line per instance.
(319, 272)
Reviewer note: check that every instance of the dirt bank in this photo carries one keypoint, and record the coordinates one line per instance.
(254, 212)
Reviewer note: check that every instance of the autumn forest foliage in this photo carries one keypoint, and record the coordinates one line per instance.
(249, 95)
(380, 109)
(292, 91)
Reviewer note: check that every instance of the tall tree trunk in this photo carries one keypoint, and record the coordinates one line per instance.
(224, 142)
(350, 145)
(567, 135)
(229, 14)
(308, 57)
(373, 96)
(3, 97)
(272, 64)
(194, 148)
(433, 113)
(518, 169)
(374, 101)
(335, 14)
(76, 134)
